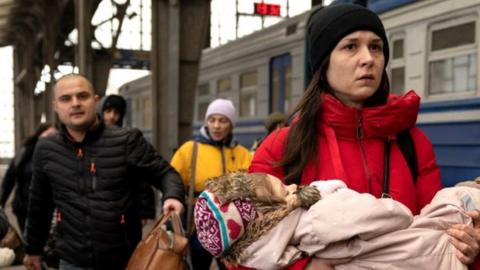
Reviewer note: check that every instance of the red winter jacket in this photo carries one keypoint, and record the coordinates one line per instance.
(359, 160)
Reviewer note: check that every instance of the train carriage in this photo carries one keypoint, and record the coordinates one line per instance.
(434, 50)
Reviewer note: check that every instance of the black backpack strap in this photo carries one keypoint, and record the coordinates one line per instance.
(386, 170)
(407, 146)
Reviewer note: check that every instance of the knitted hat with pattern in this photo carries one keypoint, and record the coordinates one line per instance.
(220, 225)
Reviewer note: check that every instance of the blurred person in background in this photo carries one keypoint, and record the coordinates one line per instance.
(112, 109)
(217, 154)
(7, 255)
(272, 122)
(19, 174)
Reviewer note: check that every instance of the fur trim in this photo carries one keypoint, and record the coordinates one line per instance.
(274, 207)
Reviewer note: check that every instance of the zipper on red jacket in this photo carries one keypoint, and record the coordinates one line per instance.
(360, 134)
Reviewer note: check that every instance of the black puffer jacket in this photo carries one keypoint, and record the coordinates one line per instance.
(19, 174)
(91, 186)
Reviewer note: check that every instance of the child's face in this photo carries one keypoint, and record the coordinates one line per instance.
(291, 197)
(285, 192)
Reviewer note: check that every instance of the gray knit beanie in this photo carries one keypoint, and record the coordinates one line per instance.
(221, 106)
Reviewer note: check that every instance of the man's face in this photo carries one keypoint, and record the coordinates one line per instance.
(111, 116)
(75, 103)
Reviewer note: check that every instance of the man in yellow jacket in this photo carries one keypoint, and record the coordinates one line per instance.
(217, 154)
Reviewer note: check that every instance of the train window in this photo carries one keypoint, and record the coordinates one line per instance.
(398, 80)
(128, 115)
(248, 94)
(275, 86)
(281, 98)
(202, 109)
(248, 106)
(203, 99)
(397, 65)
(452, 60)
(203, 89)
(288, 89)
(248, 79)
(224, 85)
(397, 49)
(138, 117)
(146, 112)
(456, 74)
(453, 36)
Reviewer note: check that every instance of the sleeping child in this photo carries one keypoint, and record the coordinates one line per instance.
(256, 221)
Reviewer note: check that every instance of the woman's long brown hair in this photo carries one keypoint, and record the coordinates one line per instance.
(301, 144)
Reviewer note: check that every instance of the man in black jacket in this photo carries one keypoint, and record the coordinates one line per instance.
(87, 172)
(112, 110)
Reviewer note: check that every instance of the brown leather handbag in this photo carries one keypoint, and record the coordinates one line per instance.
(161, 249)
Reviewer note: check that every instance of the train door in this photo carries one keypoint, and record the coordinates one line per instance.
(280, 98)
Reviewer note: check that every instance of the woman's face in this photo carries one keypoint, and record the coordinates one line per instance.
(355, 68)
(218, 126)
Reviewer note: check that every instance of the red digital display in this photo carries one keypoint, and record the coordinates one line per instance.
(267, 9)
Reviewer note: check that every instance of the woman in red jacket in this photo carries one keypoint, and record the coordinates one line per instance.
(346, 124)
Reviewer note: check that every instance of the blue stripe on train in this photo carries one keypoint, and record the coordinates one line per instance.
(453, 175)
(450, 105)
(457, 148)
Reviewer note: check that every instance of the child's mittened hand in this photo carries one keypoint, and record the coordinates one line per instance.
(328, 186)
(7, 256)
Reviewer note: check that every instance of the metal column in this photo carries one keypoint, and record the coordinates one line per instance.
(24, 107)
(51, 30)
(179, 31)
(83, 51)
(165, 60)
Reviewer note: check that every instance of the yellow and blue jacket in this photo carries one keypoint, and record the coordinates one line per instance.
(213, 159)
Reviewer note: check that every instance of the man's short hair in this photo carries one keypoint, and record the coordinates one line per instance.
(74, 75)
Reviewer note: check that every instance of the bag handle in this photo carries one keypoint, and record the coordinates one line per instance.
(176, 223)
(191, 188)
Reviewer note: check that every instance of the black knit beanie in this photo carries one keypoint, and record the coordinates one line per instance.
(329, 25)
(115, 102)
